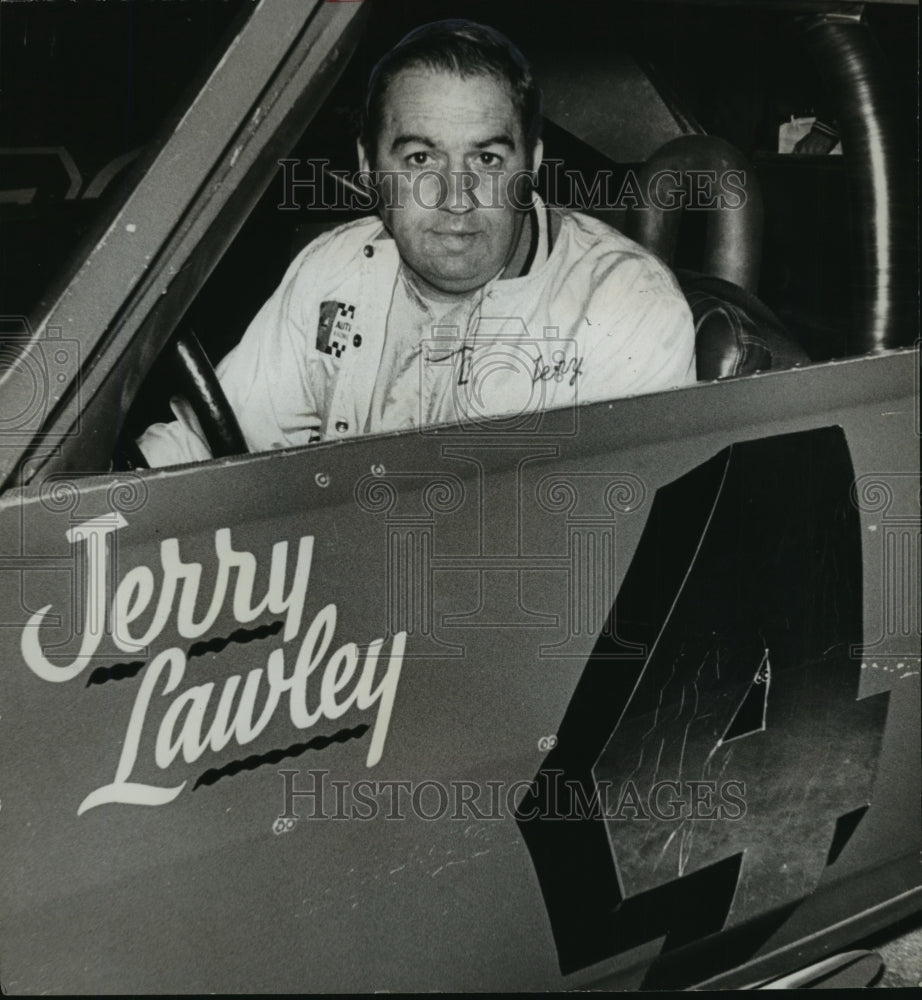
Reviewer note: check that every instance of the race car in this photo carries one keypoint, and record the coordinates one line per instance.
(624, 695)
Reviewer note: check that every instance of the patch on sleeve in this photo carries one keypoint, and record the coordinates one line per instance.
(334, 328)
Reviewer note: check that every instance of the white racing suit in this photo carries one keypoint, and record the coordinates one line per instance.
(595, 317)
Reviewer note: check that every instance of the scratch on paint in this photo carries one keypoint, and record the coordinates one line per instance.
(685, 849)
(763, 675)
(707, 762)
(659, 756)
(662, 853)
(394, 871)
(695, 682)
(726, 761)
(637, 765)
(662, 691)
(684, 741)
(768, 684)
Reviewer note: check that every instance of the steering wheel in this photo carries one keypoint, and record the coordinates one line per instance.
(195, 380)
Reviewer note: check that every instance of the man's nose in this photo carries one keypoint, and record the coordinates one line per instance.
(461, 189)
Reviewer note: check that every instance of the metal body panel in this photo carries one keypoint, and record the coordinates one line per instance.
(203, 892)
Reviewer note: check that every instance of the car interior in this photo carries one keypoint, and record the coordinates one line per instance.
(791, 277)
(765, 282)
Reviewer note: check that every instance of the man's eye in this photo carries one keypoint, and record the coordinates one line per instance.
(419, 159)
(490, 159)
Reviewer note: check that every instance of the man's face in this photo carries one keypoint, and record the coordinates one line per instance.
(458, 143)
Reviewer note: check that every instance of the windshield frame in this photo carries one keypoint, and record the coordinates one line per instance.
(207, 168)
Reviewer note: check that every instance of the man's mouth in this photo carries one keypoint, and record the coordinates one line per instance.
(456, 239)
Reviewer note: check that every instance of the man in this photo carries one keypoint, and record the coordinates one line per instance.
(472, 300)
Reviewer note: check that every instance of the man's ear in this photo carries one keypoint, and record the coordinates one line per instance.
(537, 157)
(364, 162)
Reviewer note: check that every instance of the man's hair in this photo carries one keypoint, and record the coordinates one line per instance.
(465, 49)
